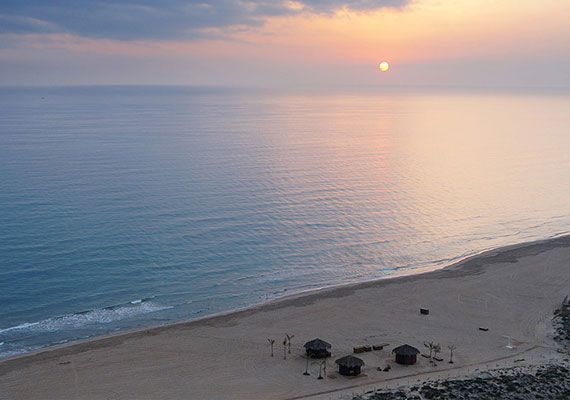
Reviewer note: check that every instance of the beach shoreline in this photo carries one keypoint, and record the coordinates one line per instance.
(291, 299)
(331, 305)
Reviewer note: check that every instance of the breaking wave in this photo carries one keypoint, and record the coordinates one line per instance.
(81, 319)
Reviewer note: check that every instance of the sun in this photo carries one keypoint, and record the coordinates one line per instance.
(384, 66)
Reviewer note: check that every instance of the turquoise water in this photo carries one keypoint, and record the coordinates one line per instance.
(125, 207)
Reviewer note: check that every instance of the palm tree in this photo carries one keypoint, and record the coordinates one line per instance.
(285, 348)
(451, 348)
(430, 346)
(436, 350)
(289, 337)
(271, 343)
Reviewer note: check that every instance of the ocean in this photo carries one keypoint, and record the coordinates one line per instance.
(129, 207)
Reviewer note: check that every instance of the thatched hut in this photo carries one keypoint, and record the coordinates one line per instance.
(406, 354)
(349, 365)
(318, 348)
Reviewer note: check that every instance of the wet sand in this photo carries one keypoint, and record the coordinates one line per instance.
(511, 291)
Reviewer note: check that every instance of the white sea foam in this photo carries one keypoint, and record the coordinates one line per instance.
(79, 320)
(25, 325)
(11, 353)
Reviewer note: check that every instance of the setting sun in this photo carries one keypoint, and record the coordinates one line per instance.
(384, 66)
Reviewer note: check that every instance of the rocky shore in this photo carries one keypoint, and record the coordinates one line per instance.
(551, 381)
(561, 322)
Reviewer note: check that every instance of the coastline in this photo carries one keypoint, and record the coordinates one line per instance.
(291, 299)
(289, 307)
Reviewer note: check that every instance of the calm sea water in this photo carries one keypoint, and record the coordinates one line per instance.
(130, 207)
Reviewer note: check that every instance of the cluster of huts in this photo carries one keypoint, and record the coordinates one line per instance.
(350, 365)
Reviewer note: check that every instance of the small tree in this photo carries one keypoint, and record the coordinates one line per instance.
(436, 350)
(451, 348)
(430, 346)
(271, 343)
(289, 337)
(285, 348)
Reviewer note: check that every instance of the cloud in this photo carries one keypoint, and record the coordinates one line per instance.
(159, 19)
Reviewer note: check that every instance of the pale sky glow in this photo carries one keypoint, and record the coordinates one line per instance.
(428, 42)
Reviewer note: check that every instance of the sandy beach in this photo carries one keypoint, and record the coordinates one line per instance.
(511, 291)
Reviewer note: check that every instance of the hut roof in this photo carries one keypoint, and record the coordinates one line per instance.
(350, 361)
(317, 344)
(406, 350)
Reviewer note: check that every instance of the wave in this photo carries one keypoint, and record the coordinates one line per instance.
(99, 316)
(19, 327)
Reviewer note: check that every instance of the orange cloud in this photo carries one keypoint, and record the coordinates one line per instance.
(425, 31)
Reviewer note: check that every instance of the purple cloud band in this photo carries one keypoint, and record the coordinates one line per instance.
(156, 19)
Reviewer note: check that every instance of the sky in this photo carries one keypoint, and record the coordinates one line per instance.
(261, 43)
